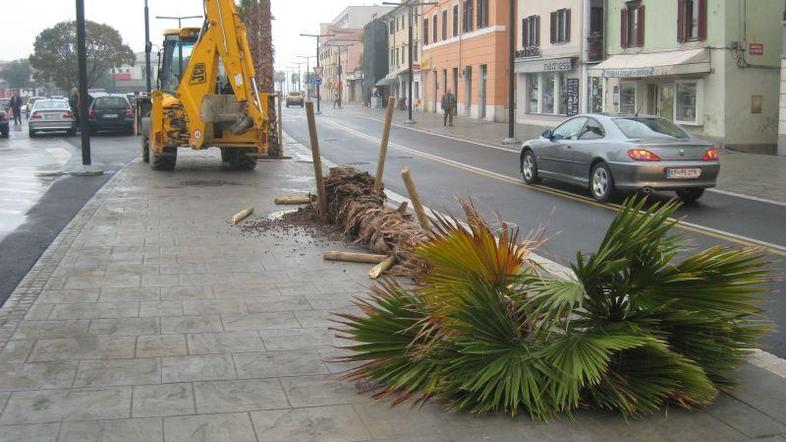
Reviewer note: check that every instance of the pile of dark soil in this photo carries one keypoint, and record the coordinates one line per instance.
(301, 226)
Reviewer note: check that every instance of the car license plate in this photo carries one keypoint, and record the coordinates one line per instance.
(110, 115)
(683, 173)
(51, 116)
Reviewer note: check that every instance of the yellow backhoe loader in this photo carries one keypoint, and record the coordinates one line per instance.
(207, 94)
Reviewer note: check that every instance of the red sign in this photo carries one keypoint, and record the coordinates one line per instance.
(415, 67)
(756, 49)
(122, 76)
(318, 71)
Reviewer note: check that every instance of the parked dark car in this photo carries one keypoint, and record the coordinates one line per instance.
(111, 113)
(3, 123)
(609, 153)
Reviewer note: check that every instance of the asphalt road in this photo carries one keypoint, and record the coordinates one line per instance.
(37, 200)
(445, 169)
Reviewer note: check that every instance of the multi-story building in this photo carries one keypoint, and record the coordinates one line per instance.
(131, 78)
(558, 40)
(340, 54)
(712, 66)
(465, 50)
(397, 24)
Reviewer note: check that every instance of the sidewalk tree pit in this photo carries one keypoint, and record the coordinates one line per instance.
(486, 330)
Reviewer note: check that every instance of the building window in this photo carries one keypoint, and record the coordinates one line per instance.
(627, 97)
(483, 13)
(455, 20)
(530, 31)
(548, 94)
(445, 24)
(691, 20)
(533, 93)
(425, 31)
(435, 30)
(632, 25)
(467, 16)
(560, 26)
(688, 102)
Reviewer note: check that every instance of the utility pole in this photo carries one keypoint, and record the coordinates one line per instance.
(317, 37)
(308, 69)
(81, 50)
(511, 138)
(148, 49)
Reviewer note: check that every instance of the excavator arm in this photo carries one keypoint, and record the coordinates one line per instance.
(223, 40)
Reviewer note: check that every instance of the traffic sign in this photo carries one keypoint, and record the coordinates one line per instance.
(318, 70)
(319, 81)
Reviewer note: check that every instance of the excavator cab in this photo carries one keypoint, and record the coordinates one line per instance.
(207, 94)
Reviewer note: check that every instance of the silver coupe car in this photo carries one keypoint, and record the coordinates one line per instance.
(609, 153)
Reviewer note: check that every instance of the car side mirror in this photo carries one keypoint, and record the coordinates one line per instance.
(549, 135)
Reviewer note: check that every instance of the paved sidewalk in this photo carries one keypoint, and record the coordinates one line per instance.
(151, 319)
(761, 176)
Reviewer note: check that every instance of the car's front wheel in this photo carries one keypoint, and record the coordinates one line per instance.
(601, 183)
(529, 168)
(690, 196)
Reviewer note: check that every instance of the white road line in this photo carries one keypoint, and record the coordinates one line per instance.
(759, 358)
(747, 197)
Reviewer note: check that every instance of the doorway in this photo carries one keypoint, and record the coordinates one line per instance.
(468, 89)
(482, 101)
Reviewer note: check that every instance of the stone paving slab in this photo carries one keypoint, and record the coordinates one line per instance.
(151, 319)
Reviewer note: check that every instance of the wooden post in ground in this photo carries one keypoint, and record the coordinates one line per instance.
(312, 131)
(413, 195)
(383, 147)
(280, 125)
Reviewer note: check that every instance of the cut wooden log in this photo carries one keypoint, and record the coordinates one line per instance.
(383, 146)
(292, 200)
(382, 267)
(406, 175)
(366, 258)
(312, 131)
(240, 216)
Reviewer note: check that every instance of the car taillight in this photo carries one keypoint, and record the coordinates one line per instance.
(35, 116)
(712, 154)
(642, 155)
(69, 116)
(128, 113)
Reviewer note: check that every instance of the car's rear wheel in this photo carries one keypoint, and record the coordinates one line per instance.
(690, 196)
(529, 168)
(601, 183)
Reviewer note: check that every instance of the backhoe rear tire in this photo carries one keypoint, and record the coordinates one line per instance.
(242, 159)
(166, 160)
(225, 154)
(145, 149)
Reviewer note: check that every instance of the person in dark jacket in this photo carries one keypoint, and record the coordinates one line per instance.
(16, 107)
(448, 107)
(73, 99)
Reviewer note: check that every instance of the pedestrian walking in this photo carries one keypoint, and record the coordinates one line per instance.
(448, 107)
(73, 99)
(16, 108)
(337, 101)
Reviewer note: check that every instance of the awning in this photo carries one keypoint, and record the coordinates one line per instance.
(397, 72)
(386, 82)
(654, 64)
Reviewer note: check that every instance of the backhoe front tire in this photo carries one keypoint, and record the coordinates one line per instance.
(242, 159)
(145, 149)
(166, 160)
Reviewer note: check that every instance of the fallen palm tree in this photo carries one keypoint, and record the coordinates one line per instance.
(487, 332)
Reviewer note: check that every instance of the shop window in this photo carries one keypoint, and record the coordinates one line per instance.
(530, 31)
(691, 20)
(425, 31)
(467, 16)
(533, 93)
(627, 97)
(548, 94)
(632, 25)
(445, 24)
(455, 21)
(560, 26)
(483, 13)
(596, 95)
(688, 98)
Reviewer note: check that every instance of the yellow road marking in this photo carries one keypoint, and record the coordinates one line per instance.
(713, 233)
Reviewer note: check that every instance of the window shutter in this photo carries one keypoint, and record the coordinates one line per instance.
(537, 31)
(624, 28)
(524, 33)
(702, 19)
(640, 26)
(553, 25)
(567, 25)
(681, 16)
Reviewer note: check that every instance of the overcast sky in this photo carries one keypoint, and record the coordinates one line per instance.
(22, 20)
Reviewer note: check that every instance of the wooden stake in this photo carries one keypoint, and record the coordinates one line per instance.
(280, 126)
(383, 146)
(413, 195)
(292, 200)
(382, 267)
(240, 216)
(366, 258)
(312, 130)
(402, 209)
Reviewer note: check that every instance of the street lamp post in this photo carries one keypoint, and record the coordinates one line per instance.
(81, 59)
(308, 69)
(317, 37)
(511, 138)
(410, 57)
(299, 77)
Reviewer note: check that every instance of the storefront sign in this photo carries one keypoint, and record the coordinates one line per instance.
(572, 86)
(553, 65)
(563, 64)
(629, 73)
(529, 51)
